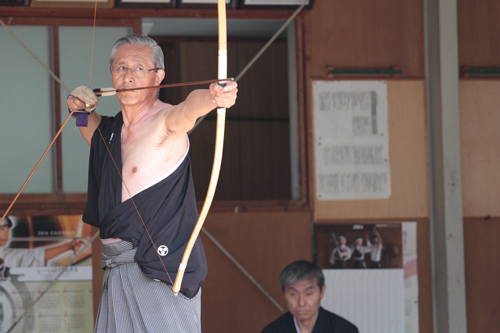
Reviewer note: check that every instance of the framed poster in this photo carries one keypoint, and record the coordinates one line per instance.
(203, 3)
(275, 4)
(146, 3)
(34, 250)
(14, 2)
(73, 3)
(370, 273)
(351, 140)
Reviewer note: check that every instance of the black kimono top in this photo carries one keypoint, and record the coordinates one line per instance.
(168, 209)
(327, 322)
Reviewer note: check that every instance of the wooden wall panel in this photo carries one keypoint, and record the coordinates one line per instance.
(361, 34)
(408, 154)
(424, 263)
(263, 243)
(480, 143)
(257, 155)
(478, 31)
(482, 271)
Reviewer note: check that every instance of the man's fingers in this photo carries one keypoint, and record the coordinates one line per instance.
(231, 85)
(75, 103)
(224, 97)
(87, 98)
(224, 102)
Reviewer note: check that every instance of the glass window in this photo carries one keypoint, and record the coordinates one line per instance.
(27, 110)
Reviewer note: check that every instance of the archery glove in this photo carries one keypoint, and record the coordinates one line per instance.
(87, 96)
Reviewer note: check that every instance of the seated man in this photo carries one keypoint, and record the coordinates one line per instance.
(303, 284)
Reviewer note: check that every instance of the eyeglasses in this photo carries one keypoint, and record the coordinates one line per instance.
(138, 72)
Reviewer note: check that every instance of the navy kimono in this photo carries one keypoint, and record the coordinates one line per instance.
(167, 208)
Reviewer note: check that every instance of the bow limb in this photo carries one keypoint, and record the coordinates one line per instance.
(219, 143)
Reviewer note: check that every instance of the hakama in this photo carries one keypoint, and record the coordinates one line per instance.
(131, 302)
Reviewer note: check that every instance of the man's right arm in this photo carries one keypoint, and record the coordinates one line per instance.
(84, 98)
(88, 132)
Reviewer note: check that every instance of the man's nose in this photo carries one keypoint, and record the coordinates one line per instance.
(128, 75)
(301, 300)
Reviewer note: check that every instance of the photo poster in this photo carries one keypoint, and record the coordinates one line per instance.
(351, 140)
(370, 273)
(33, 251)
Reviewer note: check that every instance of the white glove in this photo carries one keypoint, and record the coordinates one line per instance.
(87, 96)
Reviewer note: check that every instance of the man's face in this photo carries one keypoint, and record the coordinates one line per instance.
(4, 235)
(303, 299)
(134, 56)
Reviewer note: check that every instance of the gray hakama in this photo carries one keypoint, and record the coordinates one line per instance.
(131, 302)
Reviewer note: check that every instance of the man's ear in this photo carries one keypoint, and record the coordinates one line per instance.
(323, 291)
(160, 75)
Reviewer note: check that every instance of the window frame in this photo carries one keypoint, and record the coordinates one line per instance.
(60, 203)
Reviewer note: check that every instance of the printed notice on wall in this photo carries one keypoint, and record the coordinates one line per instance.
(34, 251)
(351, 140)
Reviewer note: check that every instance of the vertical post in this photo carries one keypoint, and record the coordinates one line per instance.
(442, 74)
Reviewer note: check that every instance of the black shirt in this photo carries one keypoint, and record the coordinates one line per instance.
(327, 322)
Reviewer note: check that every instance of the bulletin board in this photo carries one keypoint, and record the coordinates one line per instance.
(351, 140)
(32, 256)
(408, 157)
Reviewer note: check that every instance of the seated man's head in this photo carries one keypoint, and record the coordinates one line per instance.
(4, 231)
(303, 284)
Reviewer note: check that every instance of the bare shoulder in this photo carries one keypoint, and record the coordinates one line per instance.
(175, 119)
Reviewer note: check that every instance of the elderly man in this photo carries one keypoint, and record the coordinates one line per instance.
(141, 192)
(303, 284)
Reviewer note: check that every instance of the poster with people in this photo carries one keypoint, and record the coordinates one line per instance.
(34, 251)
(370, 273)
(358, 245)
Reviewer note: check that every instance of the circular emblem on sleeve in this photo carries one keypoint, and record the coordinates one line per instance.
(162, 250)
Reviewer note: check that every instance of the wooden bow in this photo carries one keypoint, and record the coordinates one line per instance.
(219, 143)
(222, 75)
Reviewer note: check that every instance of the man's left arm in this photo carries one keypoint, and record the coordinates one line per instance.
(379, 239)
(182, 117)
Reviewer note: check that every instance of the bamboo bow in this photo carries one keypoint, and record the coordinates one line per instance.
(219, 143)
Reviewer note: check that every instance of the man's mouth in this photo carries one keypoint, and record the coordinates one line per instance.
(126, 87)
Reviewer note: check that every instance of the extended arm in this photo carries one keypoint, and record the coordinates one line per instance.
(53, 252)
(182, 117)
(379, 239)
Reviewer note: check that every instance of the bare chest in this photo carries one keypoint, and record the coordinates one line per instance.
(148, 157)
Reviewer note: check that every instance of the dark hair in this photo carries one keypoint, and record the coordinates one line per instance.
(6, 222)
(301, 270)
